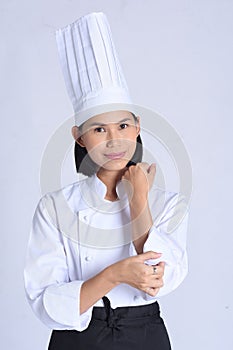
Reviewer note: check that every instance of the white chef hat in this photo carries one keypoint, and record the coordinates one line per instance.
(91, 68)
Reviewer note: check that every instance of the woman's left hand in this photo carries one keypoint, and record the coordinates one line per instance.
(138, 179)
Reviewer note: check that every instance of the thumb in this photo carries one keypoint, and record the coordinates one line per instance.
(150, 255)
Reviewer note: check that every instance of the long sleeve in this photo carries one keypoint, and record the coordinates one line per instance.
(168, 236)
(50, 293)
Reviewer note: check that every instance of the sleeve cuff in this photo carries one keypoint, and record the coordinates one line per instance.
(62, 303)
(162, 243)
(159, 243)
(173, 254)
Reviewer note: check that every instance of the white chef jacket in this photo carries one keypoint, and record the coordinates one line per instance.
(76, 233)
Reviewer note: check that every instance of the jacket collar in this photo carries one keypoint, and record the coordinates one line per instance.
(101, 189)
(93, 192)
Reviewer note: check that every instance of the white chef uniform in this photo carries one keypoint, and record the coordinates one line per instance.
(57, 264)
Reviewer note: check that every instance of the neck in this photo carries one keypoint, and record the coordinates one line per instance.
(110, 179)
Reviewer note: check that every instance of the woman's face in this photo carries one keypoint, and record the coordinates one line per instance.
(110, 138)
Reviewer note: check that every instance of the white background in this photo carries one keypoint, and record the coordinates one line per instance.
(177, 57)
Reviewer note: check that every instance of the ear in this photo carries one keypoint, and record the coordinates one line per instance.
(77, 135)
(138, 125)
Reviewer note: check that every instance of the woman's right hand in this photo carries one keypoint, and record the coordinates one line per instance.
(132, 271)
(136, 273)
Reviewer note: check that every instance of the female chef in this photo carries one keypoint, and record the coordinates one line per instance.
(99, 253)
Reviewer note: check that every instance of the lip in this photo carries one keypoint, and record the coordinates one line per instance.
(115, 155)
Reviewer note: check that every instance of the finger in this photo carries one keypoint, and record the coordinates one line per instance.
(157, 283)
(161, 264)
(152, 168)
(157, 271)
(148, 168)
(152, 291)
(142, 166)
(152, 272)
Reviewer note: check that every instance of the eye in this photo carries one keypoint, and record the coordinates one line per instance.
(99, 129)
(124, 126)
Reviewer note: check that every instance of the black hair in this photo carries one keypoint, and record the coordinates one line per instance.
(86, 166)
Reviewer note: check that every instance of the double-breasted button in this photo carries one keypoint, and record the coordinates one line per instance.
(88, 258)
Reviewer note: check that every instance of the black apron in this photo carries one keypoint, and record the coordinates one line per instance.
(124, 328)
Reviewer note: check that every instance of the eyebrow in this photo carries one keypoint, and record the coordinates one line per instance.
(102, 124)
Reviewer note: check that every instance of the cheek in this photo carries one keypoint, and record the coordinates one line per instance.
(131, 143)
(90, 142)
(93, 145)
(95, 149)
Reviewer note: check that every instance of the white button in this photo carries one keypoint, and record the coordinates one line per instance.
(88, 258)
(85, 218)
(136, 297)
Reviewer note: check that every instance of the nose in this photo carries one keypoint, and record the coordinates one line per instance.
(113, 138)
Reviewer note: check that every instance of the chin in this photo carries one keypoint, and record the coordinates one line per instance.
(117, 164)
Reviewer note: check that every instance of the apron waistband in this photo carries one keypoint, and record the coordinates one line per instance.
(121, 316)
